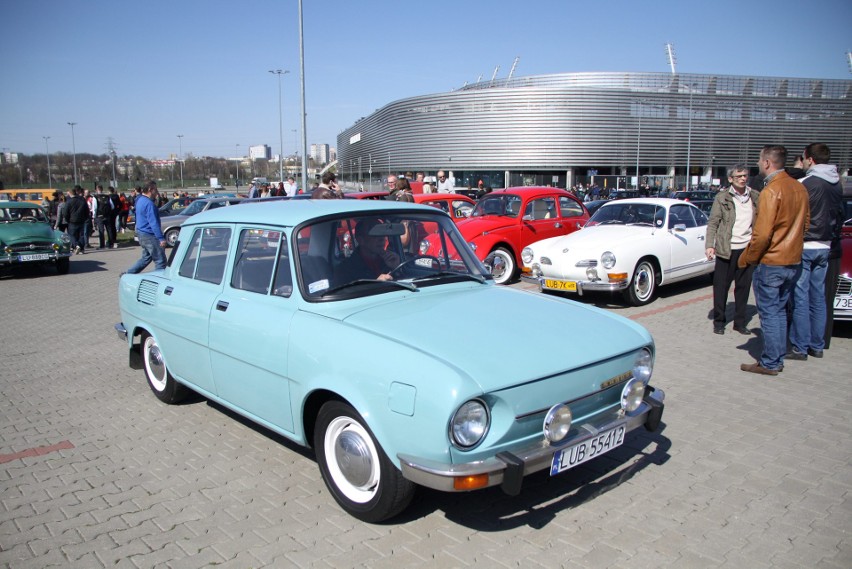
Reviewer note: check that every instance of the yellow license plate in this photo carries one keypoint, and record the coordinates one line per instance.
(561, 285)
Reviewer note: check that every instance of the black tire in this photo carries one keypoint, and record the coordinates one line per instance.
(63, 265)
(171, 237)
(161, 382)
(643, 284)
(510, 267)
(371, 489)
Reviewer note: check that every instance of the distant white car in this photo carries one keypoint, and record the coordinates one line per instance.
(631, 246)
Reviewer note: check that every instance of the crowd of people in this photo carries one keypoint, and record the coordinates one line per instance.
(784, 242)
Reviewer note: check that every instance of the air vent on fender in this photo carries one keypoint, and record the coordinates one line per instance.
(147, 292)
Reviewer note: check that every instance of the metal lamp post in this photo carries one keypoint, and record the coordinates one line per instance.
(47, 154)
(74, 150)
(689, 137)
(238, 167)
(638, 144)
(180, 157)
(279, 73)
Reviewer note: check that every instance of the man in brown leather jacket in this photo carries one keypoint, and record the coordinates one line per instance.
(776, 244)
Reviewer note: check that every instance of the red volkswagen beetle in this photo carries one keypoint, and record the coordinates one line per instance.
(458, 206)
(505, 221)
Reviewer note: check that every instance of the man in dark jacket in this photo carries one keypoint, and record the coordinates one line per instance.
(77, 214)
(810, 310)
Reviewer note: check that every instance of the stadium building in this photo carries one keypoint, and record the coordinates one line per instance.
(578, 128)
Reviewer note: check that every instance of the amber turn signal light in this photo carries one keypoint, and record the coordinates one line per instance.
(470, 482)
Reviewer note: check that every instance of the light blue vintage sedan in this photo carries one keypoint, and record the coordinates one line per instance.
(321, 321)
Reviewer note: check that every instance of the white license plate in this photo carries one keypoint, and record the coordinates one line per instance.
(38, 257)
(587, 450)
(843, 302)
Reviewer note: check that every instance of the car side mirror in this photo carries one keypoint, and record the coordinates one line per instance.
(679, 227)
(528, 217)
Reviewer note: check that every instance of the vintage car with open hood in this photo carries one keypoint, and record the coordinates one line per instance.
(321, 321)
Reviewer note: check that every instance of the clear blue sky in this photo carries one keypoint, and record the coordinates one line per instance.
(143, 72)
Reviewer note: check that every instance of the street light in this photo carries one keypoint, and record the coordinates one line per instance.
(180, 157)
(47, 153)
(689, 137)
(279, 73)
(74, 149)
(238, 167)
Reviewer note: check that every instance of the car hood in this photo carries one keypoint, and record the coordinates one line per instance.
(595, 239)
(473, 227)
(498, 336)
(24, 231)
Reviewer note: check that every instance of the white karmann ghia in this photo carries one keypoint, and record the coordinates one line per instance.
(630, 245)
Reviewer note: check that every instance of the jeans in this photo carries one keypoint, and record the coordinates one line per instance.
(808, 327)
(151, 251)
(77, 235)
(772, 287)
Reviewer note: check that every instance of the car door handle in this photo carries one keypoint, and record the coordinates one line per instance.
(701, 237)
(557, 225)
(222, 306)
(168, 291)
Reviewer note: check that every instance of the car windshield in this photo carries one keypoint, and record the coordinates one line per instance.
(508, 205)
(629, 214)
(195, 207)
(28, 214)
(352, 256)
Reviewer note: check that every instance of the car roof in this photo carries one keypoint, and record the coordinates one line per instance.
(653, 201)
(293, 212)
(426, 197)
(18, 204)
(523, 190)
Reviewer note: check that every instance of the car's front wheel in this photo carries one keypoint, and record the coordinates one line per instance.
(504, 272)
(159, 379)
(357, 472)
(643, 285)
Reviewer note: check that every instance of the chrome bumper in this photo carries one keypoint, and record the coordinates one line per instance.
(121, 331)
(509, 468)
(582, 286)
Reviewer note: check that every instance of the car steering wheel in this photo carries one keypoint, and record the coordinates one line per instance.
(435, 261)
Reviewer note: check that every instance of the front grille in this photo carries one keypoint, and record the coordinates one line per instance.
(32, 247)
(844, 286)
(147, 292)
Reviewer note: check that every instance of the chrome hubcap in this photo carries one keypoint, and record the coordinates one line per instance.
(353, 458)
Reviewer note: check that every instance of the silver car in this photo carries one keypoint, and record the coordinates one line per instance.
(171, 224)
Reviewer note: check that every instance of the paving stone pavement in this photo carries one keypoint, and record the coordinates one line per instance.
(94, 472)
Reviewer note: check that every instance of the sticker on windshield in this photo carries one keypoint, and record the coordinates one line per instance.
(318, 286)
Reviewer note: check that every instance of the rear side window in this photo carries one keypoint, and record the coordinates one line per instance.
(205, 258)
(569, 207)
(262, 263)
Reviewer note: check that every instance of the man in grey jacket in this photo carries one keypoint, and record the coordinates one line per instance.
(807, 330)
(728, 232)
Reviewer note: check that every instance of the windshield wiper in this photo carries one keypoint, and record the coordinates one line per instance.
(407, 286)
(466, 276)
(608, 221)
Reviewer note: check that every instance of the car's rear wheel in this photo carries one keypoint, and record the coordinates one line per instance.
(171, 237)
(357, 472)
(643, 285)
(159, 379)
(63, 265)
(504, 272)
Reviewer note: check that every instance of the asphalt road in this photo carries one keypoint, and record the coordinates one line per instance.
(747, 471)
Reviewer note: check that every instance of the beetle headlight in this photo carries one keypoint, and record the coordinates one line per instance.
(557, 423)
(424, 247)
(608, 260)
(472, 246)
(469, 424)
(527, 255)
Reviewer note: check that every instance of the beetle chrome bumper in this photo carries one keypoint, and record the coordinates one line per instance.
(582, 286)
(508, 468)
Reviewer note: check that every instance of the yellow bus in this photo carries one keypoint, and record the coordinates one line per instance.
(34, 196)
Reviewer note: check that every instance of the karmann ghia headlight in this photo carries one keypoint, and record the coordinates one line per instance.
(469, 424)
(634, 390)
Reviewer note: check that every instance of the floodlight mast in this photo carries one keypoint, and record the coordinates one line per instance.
(670, 54)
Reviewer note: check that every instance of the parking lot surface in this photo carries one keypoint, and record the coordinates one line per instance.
(747, 471)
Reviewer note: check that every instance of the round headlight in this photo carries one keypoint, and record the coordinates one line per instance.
(643, 366)
(608, 260)
(557, 423)
(472, 245)
(527, 255)
(424, 247)
(592, 274)
(632, 394)
(469, 424)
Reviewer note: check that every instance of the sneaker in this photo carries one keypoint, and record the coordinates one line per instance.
(759, 369)
(815, 353)
(796, 355)
(742, 330)
(115, 246)
(719, 329)
(77, 250)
